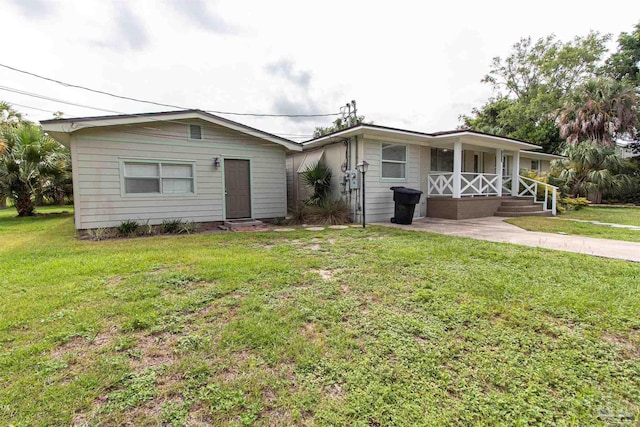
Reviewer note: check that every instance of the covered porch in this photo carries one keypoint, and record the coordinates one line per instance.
(471, 178)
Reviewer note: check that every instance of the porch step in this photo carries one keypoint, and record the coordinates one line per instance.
(521, 207)
(516, 214)
(517, 202)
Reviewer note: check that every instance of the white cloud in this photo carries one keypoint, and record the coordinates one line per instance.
(411, 64)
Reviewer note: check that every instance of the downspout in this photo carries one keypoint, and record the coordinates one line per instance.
(357, 201)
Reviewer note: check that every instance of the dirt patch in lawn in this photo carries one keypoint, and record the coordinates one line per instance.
(79, 347)
(629, 346)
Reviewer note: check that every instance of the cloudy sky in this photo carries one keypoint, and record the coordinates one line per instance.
(409, 64)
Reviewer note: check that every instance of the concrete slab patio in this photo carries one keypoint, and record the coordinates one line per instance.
(494, 229)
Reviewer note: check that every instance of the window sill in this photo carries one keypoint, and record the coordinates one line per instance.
(393, 180)
(158, 195)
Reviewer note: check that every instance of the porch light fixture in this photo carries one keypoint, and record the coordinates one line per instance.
(216, 162)
(363, 166)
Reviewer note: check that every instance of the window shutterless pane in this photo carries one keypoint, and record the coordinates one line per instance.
(142, 185)
(170, 170)
(393, 170)
(394, 152)
(177, 185)
(141, 169)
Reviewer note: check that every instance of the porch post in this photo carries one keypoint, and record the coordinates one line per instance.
(499, 171)
(515, 175)
(457, 168)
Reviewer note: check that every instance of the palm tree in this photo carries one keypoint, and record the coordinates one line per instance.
(318, 177)
(591, 169)
(8, 116)
(600, 110)
(28, 158)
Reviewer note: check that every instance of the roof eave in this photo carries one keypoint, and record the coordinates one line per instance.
(68, 126)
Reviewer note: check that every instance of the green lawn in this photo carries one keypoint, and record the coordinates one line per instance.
(628, 216)
(561, 224)
(340, 327)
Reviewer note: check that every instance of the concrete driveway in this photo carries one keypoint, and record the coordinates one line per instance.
(494, 229)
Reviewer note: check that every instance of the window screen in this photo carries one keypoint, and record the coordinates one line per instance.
(394, 161)
(158, 178)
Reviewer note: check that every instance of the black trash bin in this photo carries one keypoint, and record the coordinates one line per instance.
(405, 200)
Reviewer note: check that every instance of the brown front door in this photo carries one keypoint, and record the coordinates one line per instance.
(237, 180)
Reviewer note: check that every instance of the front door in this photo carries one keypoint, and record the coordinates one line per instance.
(237, 180)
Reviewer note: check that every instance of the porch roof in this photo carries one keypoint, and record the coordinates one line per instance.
(438, 139)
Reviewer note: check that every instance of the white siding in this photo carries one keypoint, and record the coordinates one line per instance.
(97, 183)
(378, 196)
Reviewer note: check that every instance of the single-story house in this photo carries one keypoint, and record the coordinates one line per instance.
(462, 174)
(188, 165)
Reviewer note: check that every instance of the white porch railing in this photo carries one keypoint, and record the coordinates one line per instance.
(471, 184)
(486, 184)
(440, 184)
(530, 187)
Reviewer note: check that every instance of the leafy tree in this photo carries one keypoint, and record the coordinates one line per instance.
(600, 110)
(590, 170)
(28, 158)
(338, 124)
(532, 84)
(624, 64)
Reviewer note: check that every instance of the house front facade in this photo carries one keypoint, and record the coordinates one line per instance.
(188, 165)
(462, 174)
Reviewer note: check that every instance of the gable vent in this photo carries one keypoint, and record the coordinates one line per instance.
(195, 132)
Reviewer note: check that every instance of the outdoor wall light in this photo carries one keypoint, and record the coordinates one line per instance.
(216, 162)
(363, 166)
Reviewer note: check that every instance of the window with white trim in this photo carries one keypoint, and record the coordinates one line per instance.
(156, 177)
(535, 165)
(394, 161)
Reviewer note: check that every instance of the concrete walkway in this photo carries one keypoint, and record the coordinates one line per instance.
(494, 229)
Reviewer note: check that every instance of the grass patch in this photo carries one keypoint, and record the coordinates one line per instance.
(340, 327)
(553, 225)
(628, 216)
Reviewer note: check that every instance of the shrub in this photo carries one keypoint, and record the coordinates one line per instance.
(171, 226)
(574, 203)
(98, 234)
(330, 212)
(188, 227)
(127, 228)
(146, 229)
(299, 214)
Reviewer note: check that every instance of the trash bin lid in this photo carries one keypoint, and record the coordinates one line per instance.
(405, 190)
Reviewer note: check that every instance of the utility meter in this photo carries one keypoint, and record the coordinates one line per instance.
(352, 177)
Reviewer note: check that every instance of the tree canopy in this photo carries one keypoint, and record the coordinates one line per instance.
(541, 82)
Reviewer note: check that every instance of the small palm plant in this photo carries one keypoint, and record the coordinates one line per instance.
(318, 177)
(28, 157)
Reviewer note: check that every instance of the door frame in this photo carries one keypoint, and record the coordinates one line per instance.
(224, 184)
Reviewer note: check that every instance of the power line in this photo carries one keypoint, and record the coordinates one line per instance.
(159, 103)
(32, 108)
(161, 134)
(48, 98)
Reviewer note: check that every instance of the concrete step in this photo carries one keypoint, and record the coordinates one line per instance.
(517, 202)
(522, 208)
(243, 223)
(518, 214)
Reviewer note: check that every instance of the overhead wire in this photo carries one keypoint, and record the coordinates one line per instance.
(160, 104)
(151, 119)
